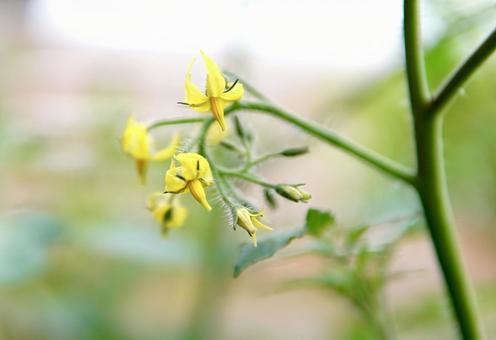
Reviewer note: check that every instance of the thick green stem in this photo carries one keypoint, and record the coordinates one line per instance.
(431, 178)
(418, 89)
(433, 193)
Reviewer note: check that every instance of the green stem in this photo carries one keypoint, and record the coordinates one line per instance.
(460, 75)
(431, 185)
(261, 159)
(175, 121)
(433, 194)
(415, 69)
(330, 137)
(222, 188)
(248, 87)
(248, 178)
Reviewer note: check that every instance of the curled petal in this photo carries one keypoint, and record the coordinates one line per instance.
(215, 80)
(196, 189)
(169, 151)
(259, 224)
(174, 182)
(135, 139)
(249, 221)
(193, 165)
(194, 97)
(233, 94)
(217, 108)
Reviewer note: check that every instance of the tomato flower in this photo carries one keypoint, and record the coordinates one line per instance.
(217, 94)
(249, 221)
(168, 212)
(193, 174)
(140, 145)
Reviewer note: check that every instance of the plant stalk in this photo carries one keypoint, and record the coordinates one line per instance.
(431, 178)
(433, 192)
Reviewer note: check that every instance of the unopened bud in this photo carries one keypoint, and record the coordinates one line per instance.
(292, 152)
(229, 146)
(293, 193)
(269, 198)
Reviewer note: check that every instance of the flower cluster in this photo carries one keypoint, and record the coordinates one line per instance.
(193, 171)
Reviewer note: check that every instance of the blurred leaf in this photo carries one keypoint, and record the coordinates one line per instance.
(341, 281)
(266, 248)
(317, 221)
(401, 231)
(25, 239)
(319, 247)
(355, 234)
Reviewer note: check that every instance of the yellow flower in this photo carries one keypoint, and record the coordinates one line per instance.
(139, 144)
(192, 174)
(249, 222)
(169, 214)
(217, 94)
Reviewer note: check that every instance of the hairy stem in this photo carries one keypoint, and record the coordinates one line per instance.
(249, 178)
(330, 137)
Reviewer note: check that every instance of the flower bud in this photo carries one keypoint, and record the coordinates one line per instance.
(293, 152)
(293, 193)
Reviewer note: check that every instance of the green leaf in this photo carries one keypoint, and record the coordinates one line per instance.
(355, 234)
(340, 281)
(266, 248)
(317, 221)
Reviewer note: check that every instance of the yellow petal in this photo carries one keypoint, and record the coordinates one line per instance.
(233, 94)
(177, 218)
(201, 107)
(193, 165)
(259, 224)
(217, 108)
(173, 181)
(196, 189)
(170, 215)
(135, 139)
(160, 211)
(216, 83)
(215, 134)
(169, 151)
(196, 98)
(244, 220)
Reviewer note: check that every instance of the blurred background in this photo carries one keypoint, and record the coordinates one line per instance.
(80, 256)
